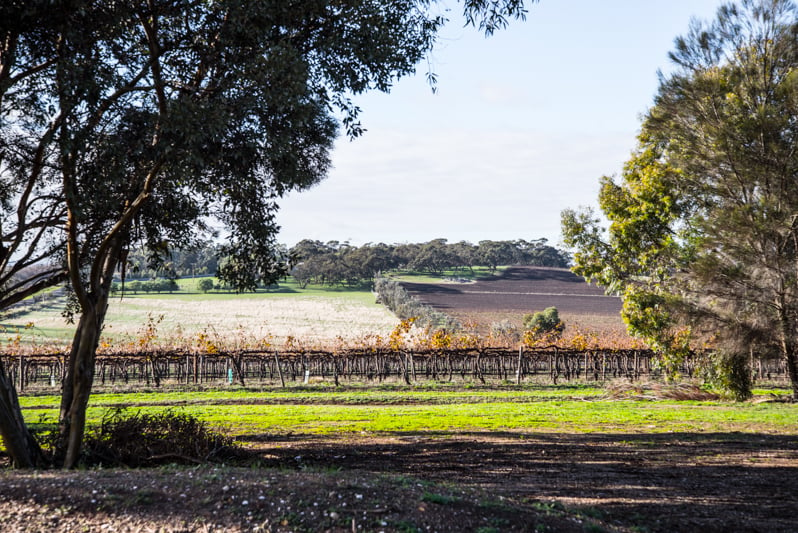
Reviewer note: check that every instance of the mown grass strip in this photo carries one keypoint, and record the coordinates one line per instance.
(325, 395)
(568, 416)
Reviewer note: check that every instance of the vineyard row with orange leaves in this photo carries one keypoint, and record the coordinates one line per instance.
(280, 368)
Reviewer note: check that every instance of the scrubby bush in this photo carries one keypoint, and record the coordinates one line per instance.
(546, 322)
(393, 296)
(730, 372)
(134, 287)
(205, 285)
(506, 331)
(137, 440)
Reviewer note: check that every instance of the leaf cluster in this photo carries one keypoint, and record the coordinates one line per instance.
(702, 236)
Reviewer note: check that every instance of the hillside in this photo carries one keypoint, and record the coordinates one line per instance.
(519, 290)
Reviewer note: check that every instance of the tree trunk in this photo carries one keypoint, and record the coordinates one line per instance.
(19, 442)
(791, 359)
(78, 383)
(788, 348)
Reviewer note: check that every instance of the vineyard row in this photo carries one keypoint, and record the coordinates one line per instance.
(272, 367)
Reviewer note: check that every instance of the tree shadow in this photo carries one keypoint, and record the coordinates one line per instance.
(644, 482)
(664, 482)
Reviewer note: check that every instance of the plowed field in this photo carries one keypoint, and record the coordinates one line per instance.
(520, 290)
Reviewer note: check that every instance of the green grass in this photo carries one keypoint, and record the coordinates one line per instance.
(380, 395)
(9, 331)
(284, 288)
(447, 412)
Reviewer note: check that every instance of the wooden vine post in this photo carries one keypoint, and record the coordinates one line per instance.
(279, 370)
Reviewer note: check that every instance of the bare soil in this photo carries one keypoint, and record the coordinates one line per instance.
(519, 290)
(425, 482)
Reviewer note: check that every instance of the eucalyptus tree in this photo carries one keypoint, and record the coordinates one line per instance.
(140, 122)
(703, 235)
(495, 253)
(434, 256)
(29, 211)
(539, 252)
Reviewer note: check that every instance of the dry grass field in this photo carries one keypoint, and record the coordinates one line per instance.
(320, 317)
(312, 319)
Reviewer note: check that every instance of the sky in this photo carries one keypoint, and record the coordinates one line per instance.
(522, 126)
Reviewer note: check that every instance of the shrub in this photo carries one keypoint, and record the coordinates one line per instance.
(546, 322)
(506, 331)
(393, 296)
(137, 440)
(730, 372)
(134, 287)
(205, 284)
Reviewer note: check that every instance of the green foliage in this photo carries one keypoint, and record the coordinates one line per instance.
(156, 285)
(134, 287)
(730, 372)
(702, 236)
(546, 322)
(205, 284)
(335, 263)
(200, 260)
(142, 439)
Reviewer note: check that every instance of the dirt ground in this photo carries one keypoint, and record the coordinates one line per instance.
(425, 482)
(520, 290)
(670, 482)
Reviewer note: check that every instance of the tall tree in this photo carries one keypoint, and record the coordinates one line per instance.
(136, 122)
(703, 234)
(30, 213)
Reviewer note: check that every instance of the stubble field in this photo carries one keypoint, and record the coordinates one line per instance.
(313, 317)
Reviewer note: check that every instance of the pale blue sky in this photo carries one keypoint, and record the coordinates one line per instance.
(523, 126)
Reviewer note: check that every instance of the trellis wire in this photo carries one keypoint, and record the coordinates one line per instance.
(272, 367)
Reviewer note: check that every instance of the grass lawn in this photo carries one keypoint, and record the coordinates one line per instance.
(561, 409)
(563, 458)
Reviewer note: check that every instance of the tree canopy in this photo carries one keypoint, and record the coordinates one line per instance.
(334, 263)
(156, 122)
(702, 242)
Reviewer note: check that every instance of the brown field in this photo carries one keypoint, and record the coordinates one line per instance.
(520, 290)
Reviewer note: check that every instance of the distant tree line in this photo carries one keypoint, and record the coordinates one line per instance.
(335, 263)
(155, 285)
(200, 261)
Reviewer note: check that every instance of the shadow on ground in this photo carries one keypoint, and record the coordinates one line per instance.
(657, 482)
